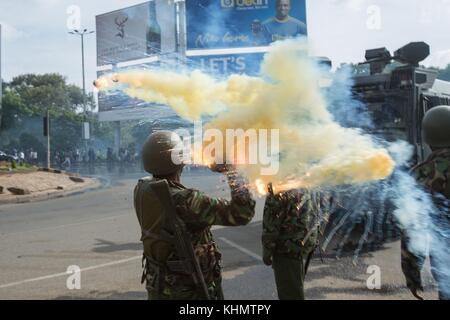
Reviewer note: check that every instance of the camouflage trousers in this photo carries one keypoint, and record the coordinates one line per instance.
(289, 276)
(187, 293)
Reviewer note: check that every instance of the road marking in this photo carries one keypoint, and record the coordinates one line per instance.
(65, 225)
(242, 249)
(62, 274)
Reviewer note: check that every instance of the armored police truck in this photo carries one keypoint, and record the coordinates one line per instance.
(398, 92)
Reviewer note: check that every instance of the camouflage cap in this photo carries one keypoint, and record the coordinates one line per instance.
(157, 153)
(436, 127)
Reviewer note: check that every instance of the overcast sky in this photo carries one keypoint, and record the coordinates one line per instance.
(35, 38)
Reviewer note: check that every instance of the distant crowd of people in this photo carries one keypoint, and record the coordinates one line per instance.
(124, 155)
(24, 156)
(65, 159)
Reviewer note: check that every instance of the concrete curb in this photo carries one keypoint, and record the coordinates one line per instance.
(57, 171)
(97, 184)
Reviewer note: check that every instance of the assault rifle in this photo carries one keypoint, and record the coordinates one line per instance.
(175, 231)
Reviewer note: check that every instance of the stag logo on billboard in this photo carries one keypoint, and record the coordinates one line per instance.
(244, 4)
(120, 23)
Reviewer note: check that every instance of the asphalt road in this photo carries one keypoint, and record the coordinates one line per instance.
(99, 233)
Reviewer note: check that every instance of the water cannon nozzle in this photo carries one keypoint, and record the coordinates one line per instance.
(413, 53)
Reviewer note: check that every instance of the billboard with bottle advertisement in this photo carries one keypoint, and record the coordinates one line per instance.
(136, 32)
(226, 64)
(133, 37)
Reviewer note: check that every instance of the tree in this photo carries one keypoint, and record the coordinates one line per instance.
(28, 141)
(13, 110)
(27, 99)
(49, 91)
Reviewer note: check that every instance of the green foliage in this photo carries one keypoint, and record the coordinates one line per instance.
(26, 100)
(13, 110)
(49, 91)
(103, 131)
(65, 133)
(30, 141)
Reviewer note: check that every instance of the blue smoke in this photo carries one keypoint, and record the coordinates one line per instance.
(398, 200)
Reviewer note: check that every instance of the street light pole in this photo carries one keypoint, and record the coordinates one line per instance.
(82, 68)
(82, 33)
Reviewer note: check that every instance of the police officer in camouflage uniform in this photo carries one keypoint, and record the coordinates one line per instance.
(291, 227)
(434, 176)
(198, 213)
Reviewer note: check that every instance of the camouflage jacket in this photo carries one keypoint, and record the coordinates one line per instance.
(434, 176)
(291, 223)
(199, 212)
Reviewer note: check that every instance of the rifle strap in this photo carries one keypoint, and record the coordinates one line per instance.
(147, 234)
(308, 261)
(162, 236)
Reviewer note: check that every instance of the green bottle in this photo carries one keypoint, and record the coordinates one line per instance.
(153, 31)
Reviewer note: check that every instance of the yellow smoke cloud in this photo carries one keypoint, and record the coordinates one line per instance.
(315, 150)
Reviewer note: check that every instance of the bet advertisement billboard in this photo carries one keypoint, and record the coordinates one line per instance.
(219, 24)
(226, 64)
(136, 32)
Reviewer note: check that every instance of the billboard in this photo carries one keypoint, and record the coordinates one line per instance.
(217, 36)
(116, 100)
(136, 32)
(218, 24)
(226, 64)
(133, 38)
(115, 105)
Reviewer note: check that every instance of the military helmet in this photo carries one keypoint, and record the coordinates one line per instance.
(157, 153)
(436, 127)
